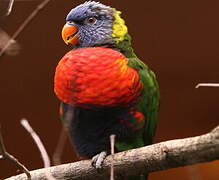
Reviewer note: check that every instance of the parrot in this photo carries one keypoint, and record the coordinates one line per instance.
(104, 88)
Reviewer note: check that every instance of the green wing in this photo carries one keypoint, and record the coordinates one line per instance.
(148, 103)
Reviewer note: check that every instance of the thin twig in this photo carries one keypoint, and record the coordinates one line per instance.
(11, 50)
(2, 145)
(44, 154)
(5, 155)
(60, 147)
(66, 121)
(11, 3)
(24, 24)
(112, 144)
(207, 85)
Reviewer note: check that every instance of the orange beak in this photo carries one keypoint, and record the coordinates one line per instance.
(69, 34)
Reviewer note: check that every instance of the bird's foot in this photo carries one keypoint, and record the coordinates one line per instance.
(98, 159)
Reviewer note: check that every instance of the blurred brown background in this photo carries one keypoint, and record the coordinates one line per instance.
(179, 40)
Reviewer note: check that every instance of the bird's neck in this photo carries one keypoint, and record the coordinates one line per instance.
(125, 47)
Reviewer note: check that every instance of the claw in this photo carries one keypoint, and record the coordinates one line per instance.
(97, 160)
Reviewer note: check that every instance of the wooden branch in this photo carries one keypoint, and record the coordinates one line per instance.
(5, 155)
(23, 25)
(161, 156)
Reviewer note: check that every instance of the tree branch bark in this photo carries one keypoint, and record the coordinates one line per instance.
(161, 156)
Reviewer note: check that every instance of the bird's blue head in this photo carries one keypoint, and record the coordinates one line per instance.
(93, 24)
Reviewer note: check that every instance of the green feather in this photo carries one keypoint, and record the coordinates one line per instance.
(148, 102)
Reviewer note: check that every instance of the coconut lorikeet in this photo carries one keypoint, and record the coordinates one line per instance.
(104, 84)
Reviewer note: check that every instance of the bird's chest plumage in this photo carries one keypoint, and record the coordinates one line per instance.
(96, 76)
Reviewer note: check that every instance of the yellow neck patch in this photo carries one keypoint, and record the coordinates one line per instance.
(119, 27)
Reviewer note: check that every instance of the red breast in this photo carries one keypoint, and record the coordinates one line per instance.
(96, 76)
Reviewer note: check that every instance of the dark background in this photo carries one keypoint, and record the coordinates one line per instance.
(178, 39)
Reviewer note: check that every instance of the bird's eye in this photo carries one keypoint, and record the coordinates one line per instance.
(70, 22)
(90, 20)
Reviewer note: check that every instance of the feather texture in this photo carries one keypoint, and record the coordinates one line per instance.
(104, 88)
